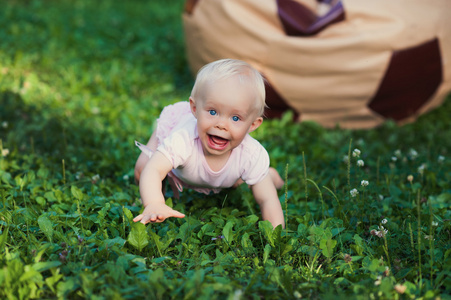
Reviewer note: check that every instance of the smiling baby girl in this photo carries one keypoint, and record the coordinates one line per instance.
(204, 144)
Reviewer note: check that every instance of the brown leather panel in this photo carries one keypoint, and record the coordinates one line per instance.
(412, 77)
(189, 6)
(276, 104)
(299, 20)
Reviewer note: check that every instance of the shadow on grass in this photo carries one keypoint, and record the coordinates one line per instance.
(46, 132)
(27, 130)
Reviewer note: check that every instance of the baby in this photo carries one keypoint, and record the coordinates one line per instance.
(204, 144)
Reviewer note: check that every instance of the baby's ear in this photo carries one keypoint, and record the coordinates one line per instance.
(192, 104)
(257, 122)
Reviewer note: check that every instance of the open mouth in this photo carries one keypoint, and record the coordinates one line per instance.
(217, 142)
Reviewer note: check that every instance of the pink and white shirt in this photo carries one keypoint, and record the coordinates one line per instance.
(182, 147)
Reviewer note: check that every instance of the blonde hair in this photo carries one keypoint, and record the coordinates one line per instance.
(226, 68)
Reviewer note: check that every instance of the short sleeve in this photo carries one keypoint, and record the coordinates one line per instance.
(177, 147)
(256, 162)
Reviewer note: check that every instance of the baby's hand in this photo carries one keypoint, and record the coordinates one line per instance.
(157, 214)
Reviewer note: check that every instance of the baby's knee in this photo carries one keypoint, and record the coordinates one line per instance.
(238, 182)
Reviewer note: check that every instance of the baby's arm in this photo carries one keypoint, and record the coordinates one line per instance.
(143, 158)
(265, 194)
(150, 188)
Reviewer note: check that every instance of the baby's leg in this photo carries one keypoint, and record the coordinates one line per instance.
(238, 182)
(275, 177)
(143, 158)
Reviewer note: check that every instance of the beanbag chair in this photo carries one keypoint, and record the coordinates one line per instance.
(351, 63)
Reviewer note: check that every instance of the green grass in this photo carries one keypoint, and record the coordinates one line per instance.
(81, 80)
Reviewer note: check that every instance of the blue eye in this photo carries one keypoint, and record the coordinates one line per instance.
(213, 112)
(235, 118)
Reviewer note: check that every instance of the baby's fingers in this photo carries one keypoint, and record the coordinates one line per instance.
(160, 218)
(148, 218)
(138, 218)
(152, 218)
(177, 214)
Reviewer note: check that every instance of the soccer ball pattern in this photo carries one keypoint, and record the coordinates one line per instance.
(350, 63)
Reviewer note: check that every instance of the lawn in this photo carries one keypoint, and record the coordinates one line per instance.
(367, 211)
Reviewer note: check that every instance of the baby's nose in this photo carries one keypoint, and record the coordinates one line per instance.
(221, 124)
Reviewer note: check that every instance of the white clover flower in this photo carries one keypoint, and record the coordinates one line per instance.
(410, 178)
(354, 192)
(381, 232)
(238, 294)
(364, 183)
(345, 159)
(440, 159)
(428, 237)
(95, 110)
(384, 221)
(400, 288)
(95, 177)
(360, 163)
(435, 224)
(394, 158)
(378, 280)
(5, 152)
(387, 271)
(382, 228)
(356, 153)
(5, 124)
(413, 153)
(421, 168)
(126, 177)
(398, 153)
(381, 197)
